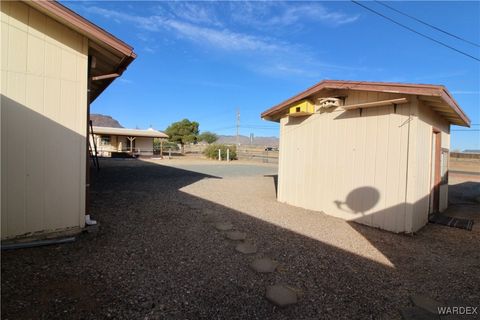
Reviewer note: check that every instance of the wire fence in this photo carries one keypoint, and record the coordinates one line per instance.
(259, 155)
(249, 153)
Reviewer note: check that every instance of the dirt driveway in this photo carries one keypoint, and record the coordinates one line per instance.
(157, 254)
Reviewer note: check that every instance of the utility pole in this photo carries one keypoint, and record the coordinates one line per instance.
(238, 127)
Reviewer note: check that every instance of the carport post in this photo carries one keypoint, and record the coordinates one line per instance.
(131, 143)
(219, 155)
(228, 155)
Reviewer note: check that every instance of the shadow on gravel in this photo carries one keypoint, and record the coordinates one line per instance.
(157, 255)
(275, 182)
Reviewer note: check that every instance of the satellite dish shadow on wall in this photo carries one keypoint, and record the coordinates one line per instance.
(359, 200)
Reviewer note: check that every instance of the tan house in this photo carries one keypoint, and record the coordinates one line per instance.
(50, 58)
(133, 141)
(371, 152)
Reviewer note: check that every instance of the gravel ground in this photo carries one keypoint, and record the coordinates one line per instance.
(157, 254)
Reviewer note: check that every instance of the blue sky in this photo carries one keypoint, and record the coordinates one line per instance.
(205, 60)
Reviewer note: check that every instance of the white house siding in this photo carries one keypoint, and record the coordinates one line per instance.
(43, 122)
(340, 157)
(144, 145)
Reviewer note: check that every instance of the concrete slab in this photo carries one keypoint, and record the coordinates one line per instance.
(246, 248)
(236, 235)
(264, 265)
(281, 295)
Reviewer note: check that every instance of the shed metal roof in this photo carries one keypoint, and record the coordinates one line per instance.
(440, 100)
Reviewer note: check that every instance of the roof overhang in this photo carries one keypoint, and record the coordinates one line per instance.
(435, 96)
(150, 133)
(111, 55)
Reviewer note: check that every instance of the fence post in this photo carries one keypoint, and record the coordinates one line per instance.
(169, 153)
(228, 155)
(219, 155)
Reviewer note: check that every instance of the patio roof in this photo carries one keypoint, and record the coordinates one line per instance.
(149, 133)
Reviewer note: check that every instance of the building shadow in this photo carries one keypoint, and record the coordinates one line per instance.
(275, 182)
(42, 171)
(157, 253)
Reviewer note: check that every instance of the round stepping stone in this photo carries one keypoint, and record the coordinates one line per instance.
(236, 235)
(246, 248)
(224, 226)
(264, 265)
(195, 206)
(281, 295)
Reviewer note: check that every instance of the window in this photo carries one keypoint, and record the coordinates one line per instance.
(105, 140)
(444, 166)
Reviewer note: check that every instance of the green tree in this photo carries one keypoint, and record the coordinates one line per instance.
(208, 137)
(183, 132)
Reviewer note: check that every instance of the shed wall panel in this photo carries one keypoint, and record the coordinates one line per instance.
(43, 122)
(348, 165)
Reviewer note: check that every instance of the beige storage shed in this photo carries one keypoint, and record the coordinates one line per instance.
(370, 152)
(50, 57)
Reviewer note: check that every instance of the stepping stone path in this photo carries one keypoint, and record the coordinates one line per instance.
(281, 295)
(224, 226)
(246, 248)
(236, 235)
(264, 265)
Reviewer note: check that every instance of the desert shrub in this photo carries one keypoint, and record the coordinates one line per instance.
(211, 151)
(170, 145)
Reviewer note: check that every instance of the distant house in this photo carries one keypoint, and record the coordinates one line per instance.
(371, 152)
(54, 64)
(132, 141)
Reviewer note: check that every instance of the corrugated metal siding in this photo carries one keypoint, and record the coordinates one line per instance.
(347, 165)
(43, 122)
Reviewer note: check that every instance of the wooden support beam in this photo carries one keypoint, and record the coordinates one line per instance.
(106, 76)
(375, 104)
(131, 139)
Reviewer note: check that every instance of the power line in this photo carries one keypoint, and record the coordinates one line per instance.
(414, 31)
(427, 24)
